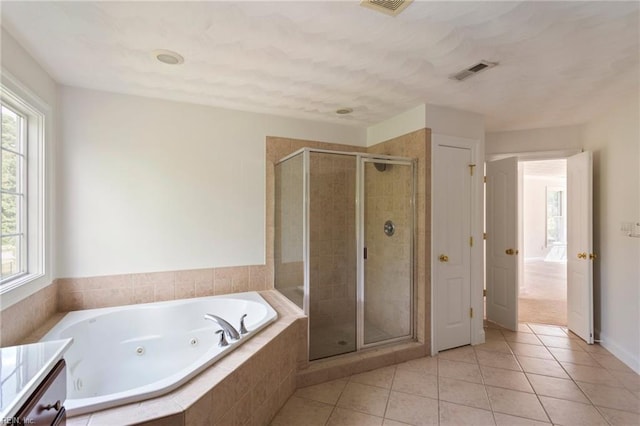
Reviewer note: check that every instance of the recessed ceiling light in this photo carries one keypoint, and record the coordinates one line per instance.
(168, 57)
(343, 111)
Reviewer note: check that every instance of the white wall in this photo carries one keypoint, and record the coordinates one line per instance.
(614, 139)
(401, 124)
(151, 185)
(33, 79)
(551, 139)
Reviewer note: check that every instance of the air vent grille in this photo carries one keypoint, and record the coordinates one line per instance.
(473, 70)
(389, 7)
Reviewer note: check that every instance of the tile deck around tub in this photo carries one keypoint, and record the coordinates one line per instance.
(539, 375)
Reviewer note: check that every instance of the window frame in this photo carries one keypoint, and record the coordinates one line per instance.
(38, 127)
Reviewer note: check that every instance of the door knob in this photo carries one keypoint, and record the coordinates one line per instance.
(444, 258)
(582, 255)
(593, 256)
(511, 252)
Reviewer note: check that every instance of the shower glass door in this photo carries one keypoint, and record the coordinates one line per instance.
(332, 254)
(387, 229)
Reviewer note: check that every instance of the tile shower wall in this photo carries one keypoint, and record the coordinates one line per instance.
(388, 194)
(418, 145)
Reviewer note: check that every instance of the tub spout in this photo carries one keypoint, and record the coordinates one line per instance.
(226, 327)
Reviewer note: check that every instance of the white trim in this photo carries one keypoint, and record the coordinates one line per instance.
(630, 359)
(533, 155)
(40, 128)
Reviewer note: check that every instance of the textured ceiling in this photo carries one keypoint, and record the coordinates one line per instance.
(560, 62)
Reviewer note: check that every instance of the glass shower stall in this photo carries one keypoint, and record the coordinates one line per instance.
(344, 246)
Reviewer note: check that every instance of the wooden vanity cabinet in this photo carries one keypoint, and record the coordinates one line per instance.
(45, 406)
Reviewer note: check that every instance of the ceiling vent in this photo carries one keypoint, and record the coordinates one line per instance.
(389, 7)
(473, 70)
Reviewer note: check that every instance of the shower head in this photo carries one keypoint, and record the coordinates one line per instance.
(381, 167)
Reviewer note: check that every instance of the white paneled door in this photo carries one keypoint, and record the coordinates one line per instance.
(580, 256)
(452, 168)
(502, 242)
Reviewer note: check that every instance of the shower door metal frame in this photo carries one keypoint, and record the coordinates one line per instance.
(360, 239)
(361, 159)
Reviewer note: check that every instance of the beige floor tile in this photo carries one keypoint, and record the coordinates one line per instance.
(454, 415)
(498, 360)
(516, 403)
(428, 365)
(630, 381)
(412, 409)
(389, 422)
(560, 342)
(327, 392)
(545, 367)
(300, 411)
(494, 346)
(594, 349)
(462, 354)
(529, 338)
(586, 373)
(535, 351)
(547, 330)
(507, 420)
(493, 334)
(565, 412)
(620, 418)
(464, 393)
(416, 382)
(382, 377)
(610, 362)
(364, 398)
(344, 417)
(557, 388)
(459, 370)
(524, 328)
(501, 378)
(606, 396)
(575, 357)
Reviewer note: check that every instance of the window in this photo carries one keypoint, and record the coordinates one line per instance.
(13, 194)
(556, 229)
(22, 186)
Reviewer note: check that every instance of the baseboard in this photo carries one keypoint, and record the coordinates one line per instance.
(630, 359)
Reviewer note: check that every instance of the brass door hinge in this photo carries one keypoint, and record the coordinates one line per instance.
(470, 312)
(471, 167)
(470, 241)
(484, 236)
(485, 179)
(484, 292)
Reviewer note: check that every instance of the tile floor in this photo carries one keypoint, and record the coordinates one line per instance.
(538, 375)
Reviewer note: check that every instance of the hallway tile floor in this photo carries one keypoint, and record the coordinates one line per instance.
(539, 375)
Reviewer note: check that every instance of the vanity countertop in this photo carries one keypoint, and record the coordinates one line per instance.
(22, 368)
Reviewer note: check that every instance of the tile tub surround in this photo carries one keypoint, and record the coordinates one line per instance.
(127, 289)
(487, 384)
(246, 387)
(23, 318)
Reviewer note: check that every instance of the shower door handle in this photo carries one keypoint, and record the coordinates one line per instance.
(365, 253)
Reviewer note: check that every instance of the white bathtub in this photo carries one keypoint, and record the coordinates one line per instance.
(131, 353)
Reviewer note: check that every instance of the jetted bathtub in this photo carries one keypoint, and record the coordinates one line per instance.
(131, 353)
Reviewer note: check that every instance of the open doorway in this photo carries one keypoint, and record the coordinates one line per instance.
(543, 284)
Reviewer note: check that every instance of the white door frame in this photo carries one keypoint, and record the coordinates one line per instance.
(477, 229)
